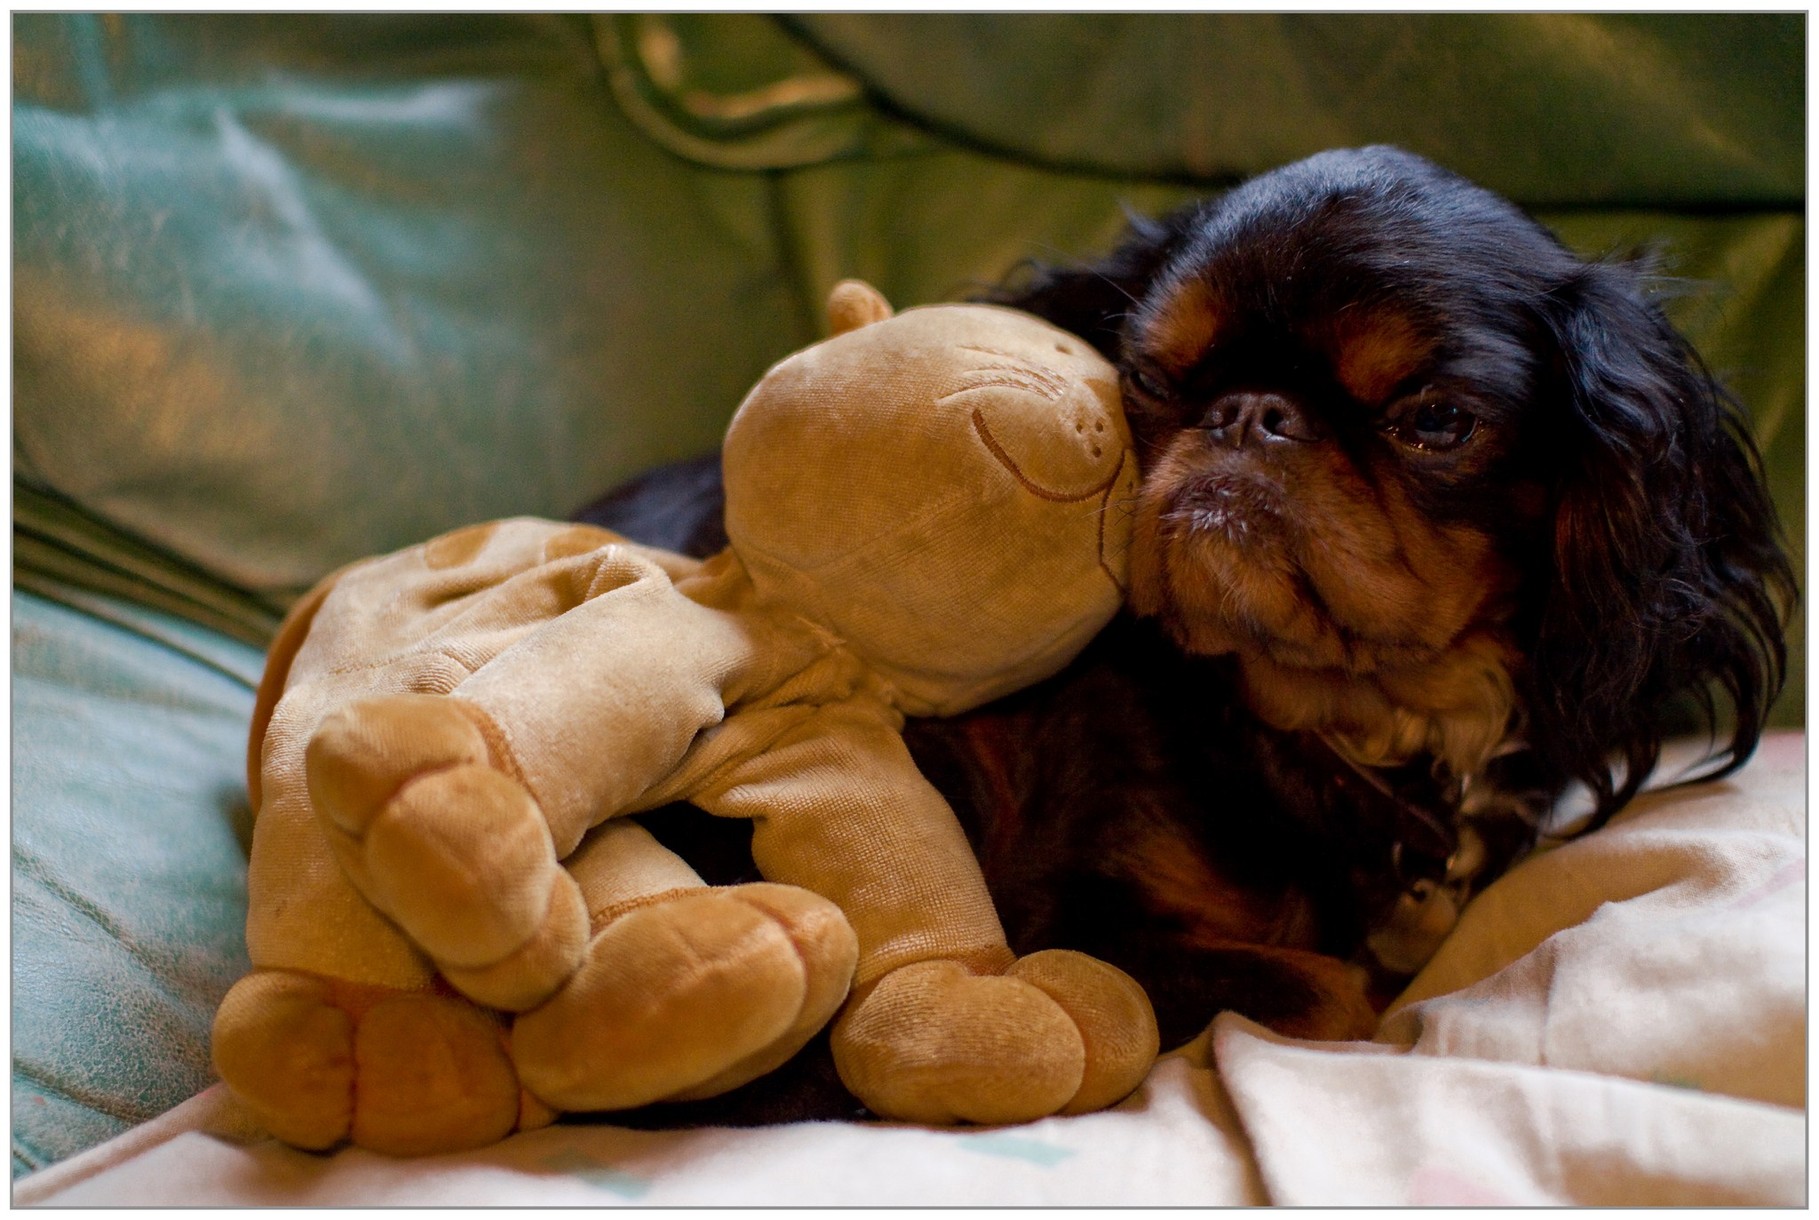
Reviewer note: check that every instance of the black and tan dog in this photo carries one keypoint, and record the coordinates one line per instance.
(1437, 520)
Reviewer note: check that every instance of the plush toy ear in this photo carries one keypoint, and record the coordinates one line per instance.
(855, 303)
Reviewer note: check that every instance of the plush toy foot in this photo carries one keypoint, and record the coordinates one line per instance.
(688, 997)
(1059, 1032)
(451, 849)
(321, 1061)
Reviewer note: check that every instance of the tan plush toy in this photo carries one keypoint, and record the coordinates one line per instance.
(926, 512)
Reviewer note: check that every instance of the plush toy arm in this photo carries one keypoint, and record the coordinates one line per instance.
(601, 703)
(944, 1024)
(838, 807)
(449, 812)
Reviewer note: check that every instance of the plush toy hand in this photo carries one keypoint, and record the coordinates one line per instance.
(1058, 1032)
(447, 845)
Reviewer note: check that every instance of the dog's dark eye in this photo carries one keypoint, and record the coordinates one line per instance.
(1146, 383)
(1435, 425)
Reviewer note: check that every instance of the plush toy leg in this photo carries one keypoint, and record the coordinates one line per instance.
(450, 848)
(946, 1025)
(321, 1061)
(685, 991)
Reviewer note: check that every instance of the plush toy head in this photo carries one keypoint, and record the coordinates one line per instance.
(945, 489)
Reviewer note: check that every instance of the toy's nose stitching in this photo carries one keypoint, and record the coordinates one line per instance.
(1083, 417)
(1030, 485)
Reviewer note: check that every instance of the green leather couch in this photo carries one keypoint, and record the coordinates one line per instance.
(291, 290)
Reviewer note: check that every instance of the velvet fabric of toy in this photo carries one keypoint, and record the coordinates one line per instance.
(456, 929)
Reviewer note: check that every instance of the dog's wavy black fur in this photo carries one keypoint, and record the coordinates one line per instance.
(1159, 808)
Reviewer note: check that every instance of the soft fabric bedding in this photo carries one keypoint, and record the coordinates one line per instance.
(1620, 1021)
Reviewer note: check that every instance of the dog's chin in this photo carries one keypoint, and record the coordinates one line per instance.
(1212, 559)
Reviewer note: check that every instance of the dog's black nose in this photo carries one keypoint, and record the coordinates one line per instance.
(1246, 416)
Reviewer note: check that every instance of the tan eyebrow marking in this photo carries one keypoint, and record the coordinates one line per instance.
(1374, 352)
(1179, 329)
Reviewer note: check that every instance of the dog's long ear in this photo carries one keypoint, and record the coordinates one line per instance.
(1669, 583)
(1093, 299)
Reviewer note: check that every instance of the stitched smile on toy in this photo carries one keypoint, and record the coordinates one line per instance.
(1091, 461)
(1051, 463)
